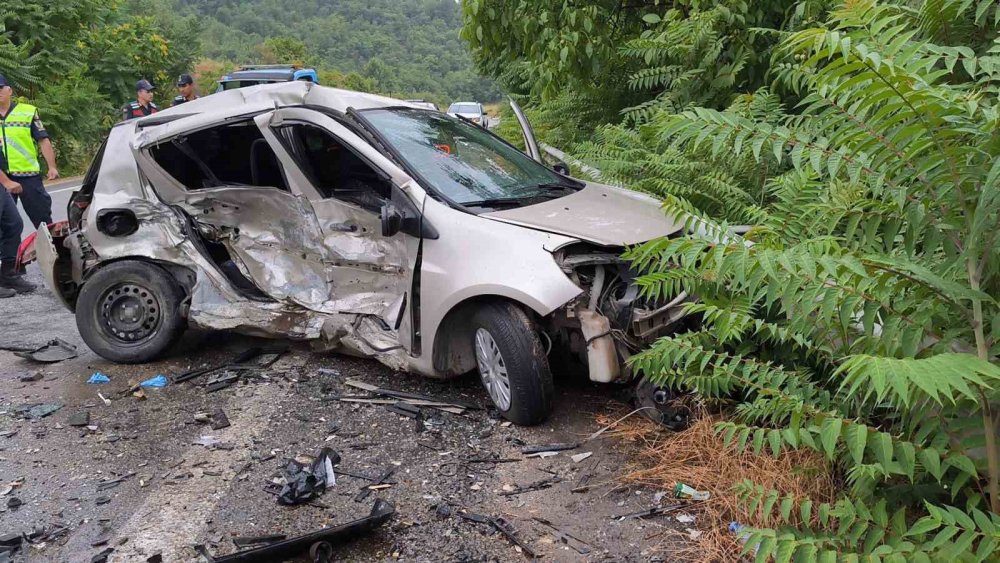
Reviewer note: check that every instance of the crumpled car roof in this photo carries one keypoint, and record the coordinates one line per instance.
(243, 101)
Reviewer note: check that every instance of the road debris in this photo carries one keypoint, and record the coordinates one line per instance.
(381, 512)
(536, 486)
(684, 518)
(219, 420)
(250, 359)
(31, 378)
(35, 410)
(244, 541)
(453, 407)
(561, 447)
(655, 511)
(105, 400)
(684, 491)
(502, 525)
(580, 457)
(56, 350)
(98, 378)
(381, 480)
(105, 485)
(102, 557)
(302, 483)
(574, 543)
(157, 382)
(81, 418)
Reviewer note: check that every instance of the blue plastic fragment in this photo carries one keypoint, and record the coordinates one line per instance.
(158, 381)
(99, 377)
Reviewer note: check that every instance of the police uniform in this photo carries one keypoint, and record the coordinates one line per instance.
(184, 80)
(20, 129)
(178, 100)
(134, 109)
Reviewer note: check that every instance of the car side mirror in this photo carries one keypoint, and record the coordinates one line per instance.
(392, 219)
(561, 167)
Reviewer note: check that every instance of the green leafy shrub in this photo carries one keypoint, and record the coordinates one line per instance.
(859, 318)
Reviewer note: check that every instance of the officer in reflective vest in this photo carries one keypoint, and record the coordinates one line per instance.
(143, 104)
(185, 86)
(20, 176)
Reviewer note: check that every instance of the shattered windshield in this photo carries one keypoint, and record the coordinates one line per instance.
(463, 162)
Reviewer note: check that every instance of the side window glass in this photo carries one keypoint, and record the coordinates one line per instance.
(334, 169)
(230, 155)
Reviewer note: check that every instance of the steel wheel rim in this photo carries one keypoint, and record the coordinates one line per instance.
(130, 314)
(492, 369)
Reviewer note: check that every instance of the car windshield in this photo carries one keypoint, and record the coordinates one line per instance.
(464, 163)
(464, 108)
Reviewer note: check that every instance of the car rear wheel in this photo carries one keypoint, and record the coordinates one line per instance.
(512, 363)
(129, 312)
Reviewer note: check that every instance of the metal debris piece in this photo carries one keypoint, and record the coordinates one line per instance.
(573, 542)
(543, 455)
(219, 420)
(381, 512)
(37, 376)
(102, 556)
(405, 409)
(550, 448)
(222, 381)
(81, 418)
(244, 541)
(405, 395)
(536, 486)
(655, 511)
(366, 490)
(501, 525)
(105, 400)
(301, 483)
(105, 485)
(56, 350)
(251, 358)
(580, 457)
(102, 500)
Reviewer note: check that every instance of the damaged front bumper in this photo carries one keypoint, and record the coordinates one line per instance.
(611, 320)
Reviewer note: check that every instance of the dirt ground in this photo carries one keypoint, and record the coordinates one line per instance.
(177, 494)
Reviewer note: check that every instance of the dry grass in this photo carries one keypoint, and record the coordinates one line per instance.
(698, 457)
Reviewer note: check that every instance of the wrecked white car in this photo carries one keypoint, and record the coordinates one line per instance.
(364, 224)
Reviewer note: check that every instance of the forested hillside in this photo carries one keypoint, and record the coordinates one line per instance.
(78, 60)
(407, 47)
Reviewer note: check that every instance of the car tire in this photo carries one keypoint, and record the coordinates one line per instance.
(511, 363)
(129, 312)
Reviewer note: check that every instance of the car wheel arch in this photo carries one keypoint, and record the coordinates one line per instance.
(453, 353)
(184, 276)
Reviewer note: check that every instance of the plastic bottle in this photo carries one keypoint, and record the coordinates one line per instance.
(684, 491)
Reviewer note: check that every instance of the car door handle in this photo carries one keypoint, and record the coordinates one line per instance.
(343, 227)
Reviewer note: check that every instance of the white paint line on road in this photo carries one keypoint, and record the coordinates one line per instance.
(64, 189)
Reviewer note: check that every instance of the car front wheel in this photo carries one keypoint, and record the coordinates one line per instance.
(129, 312)
(512, 363)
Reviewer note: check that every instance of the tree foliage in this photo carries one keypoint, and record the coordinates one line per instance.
(859, 317)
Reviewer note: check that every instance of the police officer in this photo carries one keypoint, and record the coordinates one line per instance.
(185, 86)
(18, 157)
(143, 104)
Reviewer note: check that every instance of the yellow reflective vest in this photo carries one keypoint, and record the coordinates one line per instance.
(18, 146)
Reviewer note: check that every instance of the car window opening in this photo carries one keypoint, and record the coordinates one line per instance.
(335, 170)
(234, 154)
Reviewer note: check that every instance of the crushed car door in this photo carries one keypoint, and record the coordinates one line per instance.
(260, 231)
(347, 182)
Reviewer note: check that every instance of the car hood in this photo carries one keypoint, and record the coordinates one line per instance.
(600, 214)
